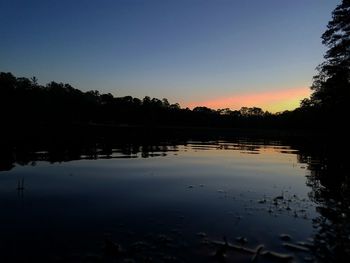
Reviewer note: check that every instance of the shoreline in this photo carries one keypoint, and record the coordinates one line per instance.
(22, 133)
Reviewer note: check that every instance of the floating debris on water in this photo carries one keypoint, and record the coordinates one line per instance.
(310, 239)
(306, 244)
(221, 251)
(285, 237)
(233, 246)
(295, 247)
(258, 251)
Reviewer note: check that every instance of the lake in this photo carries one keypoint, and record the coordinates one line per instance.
(234, 200)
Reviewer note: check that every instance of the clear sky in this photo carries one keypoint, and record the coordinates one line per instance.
(216, 53)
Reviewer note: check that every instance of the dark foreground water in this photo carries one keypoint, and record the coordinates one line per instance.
(194, 201)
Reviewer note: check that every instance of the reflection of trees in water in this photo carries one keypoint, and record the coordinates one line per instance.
(67, 151)
(327, 178)
(330, 187)
(63, 151)
(106, 148)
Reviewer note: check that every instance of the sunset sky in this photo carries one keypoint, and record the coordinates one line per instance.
(215, 53)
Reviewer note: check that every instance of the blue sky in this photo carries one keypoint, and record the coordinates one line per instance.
(185, 50)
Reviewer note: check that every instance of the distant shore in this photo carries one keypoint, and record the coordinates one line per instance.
(21, 133)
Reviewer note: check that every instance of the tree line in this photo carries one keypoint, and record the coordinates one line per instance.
(23, 101)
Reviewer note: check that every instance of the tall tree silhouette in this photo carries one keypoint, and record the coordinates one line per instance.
(331, 86)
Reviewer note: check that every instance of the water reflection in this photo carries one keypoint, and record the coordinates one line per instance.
(11, 155)
(190, 201)
(329, 181)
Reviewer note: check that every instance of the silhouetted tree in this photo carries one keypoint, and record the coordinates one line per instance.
(225, 111)
(34, 81)
(202, 109)
(166, 103)
(254, 111)
(331, 86)
(175, 106)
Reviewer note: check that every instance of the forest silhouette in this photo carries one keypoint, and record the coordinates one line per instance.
(24, 103)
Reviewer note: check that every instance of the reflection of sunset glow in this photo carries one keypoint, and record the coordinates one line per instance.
(277, 100)
(244, 152)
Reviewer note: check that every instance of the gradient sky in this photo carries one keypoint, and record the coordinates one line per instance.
(216, 53)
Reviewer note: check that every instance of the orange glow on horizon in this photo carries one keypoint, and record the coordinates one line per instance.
(274, 101)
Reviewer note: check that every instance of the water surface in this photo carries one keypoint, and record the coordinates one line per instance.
(169, 202)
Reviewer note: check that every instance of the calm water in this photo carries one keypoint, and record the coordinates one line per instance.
(177, 202)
